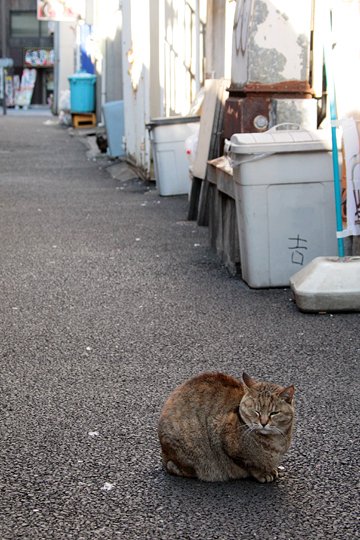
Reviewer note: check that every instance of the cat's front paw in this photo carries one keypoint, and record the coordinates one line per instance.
(266, 476)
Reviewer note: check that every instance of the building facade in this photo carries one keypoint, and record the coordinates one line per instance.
(29, 43)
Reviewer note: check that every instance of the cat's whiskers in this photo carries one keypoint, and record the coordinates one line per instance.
(277, 431)
(273, 430)
(248, 429)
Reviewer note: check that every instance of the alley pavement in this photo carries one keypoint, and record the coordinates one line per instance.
(109, 299)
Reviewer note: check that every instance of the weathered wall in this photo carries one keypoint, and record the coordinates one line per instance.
(114, 89)
(271, 41)
(136, 66)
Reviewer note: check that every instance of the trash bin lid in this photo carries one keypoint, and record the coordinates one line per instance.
(169, 120)
(82, 76)
(273, 141)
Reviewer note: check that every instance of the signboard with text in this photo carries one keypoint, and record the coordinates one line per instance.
(36, 57)
(60, 10)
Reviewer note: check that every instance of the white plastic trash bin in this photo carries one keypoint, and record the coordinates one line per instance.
(285, 202)
(171, 164)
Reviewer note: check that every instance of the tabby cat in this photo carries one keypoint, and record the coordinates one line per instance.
(215, 428)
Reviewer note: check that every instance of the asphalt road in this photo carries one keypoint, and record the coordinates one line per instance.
(109, 299)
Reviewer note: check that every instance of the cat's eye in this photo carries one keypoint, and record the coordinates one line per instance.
(274, 413)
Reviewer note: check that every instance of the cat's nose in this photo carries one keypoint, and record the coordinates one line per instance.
(264, 420)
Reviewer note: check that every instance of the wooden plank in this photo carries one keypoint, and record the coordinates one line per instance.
(209, 143)
(203, 210)
(205, 130)
(210, 125)
(215, 149)
(194, 199)
(231, 246)
(220, 173)
(214, 216)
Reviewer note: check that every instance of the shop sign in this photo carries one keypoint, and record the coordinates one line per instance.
(6, 62)
(60, 10)
(39, 57)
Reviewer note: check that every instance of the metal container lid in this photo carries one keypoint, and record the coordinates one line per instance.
(170, 120)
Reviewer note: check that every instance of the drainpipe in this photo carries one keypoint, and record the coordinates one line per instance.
(161, 56)
(3, 29)
(3, 52)
(197, 46)
(56, 68)
(78, 45)
(103, 74)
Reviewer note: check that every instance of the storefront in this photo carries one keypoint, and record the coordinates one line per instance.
(42, 60)
(29, 42)
(33, 83)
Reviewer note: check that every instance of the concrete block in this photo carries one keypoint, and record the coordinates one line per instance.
(328, 284)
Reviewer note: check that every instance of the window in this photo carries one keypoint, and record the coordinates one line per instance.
(25, 24)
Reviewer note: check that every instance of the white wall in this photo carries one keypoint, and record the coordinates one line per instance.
(219, 27)
(181, 53)
(65, 39)
(136, 80)
(346, 24)
(106, 41)
(345, 52)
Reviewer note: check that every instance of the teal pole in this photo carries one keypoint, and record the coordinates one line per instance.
(335, 156)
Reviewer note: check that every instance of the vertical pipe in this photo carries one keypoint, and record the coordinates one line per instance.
(3, 29)
(57, 44)
(162, 52)
(103, 73)
(197, 46)
(333, 118)
(4, 72)
(78, 48)
(3, 50)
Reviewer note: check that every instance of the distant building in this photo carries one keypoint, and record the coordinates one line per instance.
(29, 42)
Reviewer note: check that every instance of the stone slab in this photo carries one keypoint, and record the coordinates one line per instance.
(328, 284)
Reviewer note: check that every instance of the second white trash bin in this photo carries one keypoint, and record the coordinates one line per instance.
(171, 164)
(285, 202)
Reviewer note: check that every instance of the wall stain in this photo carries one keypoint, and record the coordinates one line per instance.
(303, 43)
(270, 62)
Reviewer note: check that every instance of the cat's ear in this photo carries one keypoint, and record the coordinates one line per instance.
(248, 381)
(287, 394)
